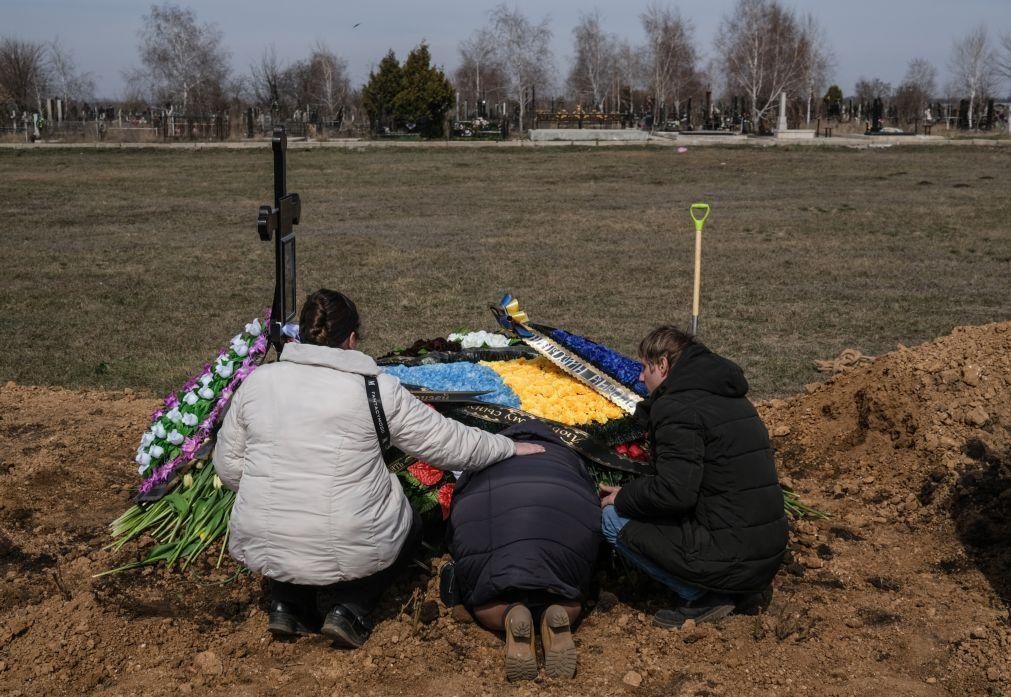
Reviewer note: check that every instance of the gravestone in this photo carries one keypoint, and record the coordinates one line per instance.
(781, 125)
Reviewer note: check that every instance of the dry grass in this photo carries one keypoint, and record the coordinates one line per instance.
(129, 268)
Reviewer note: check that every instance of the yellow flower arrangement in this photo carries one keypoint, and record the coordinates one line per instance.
(546, 391)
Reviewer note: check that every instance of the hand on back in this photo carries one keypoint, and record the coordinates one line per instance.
(525, 448)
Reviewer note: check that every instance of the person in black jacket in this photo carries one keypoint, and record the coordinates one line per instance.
(525, 534)
(710, 523)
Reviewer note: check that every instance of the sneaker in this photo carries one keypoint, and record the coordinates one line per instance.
(345, 628)
(285, 620)
(520, 658)
(709, 608)
(559, 649)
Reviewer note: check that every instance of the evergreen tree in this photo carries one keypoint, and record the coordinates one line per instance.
(380, 93)
(426, 94)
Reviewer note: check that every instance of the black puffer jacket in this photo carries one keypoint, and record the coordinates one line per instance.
(712, 514)
(526, 523)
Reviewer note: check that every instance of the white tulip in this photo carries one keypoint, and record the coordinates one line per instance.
(141, 469)
(175, 416)
(191, 399)
(175, 438)
(158, 430)
(187, 480)
(216, 482)
(254, 328)
(156, 451)
(142, 459)
(206, 379)
(206, 393)
(225, 370)
(190, 420)
(147, 439)
(241, 349)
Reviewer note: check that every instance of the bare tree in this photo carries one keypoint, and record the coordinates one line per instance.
(1004, 58)
(266, 77)
(524, 50)
(766, 50)
(184, 61)
(867, 90)
(65, 80)
(329, 85)
(670, 54)
(630, 72)
(973, 68)
(916, 89)
(23, 74)
(593, 67)
(480, 71)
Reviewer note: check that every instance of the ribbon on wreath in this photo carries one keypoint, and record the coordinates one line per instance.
(511, 317)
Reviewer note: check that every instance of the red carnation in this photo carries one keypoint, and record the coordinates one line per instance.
(446, 498)
(425, 473)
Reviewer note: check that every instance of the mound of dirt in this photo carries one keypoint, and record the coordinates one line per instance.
(903, 591)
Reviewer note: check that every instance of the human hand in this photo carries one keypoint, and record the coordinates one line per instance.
(607, 494)
(525, 448)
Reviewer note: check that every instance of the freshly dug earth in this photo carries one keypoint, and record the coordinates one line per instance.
(903, 591)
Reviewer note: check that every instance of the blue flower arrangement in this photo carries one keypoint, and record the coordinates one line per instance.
(461, 376)
(620, 367)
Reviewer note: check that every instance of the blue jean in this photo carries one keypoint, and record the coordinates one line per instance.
(611, 524)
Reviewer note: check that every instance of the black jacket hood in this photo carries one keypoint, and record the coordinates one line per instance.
(701, 369)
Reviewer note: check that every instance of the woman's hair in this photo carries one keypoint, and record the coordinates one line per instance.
(327, 319)
(666, 341)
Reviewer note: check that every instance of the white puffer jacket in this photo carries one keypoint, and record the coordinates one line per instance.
(315, 503)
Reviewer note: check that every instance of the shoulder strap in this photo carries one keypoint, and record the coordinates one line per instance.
(378, 415)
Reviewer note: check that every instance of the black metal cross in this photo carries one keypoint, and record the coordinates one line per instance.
(277, 222)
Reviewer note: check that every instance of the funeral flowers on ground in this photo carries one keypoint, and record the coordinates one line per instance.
(481, 339)
(189, 416)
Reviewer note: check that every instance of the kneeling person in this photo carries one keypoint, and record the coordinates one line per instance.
(710, 523)
(525, 534)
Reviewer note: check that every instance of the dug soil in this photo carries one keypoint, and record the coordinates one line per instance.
(904, 590)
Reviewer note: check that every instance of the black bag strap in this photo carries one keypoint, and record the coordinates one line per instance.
(378, 416)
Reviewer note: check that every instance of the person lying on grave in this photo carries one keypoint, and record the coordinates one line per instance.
(709, 524)
(524, 536)
(317, 512)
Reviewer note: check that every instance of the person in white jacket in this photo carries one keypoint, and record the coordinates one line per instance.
(316, 508)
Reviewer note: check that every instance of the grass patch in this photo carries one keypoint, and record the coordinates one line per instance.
(129, 268)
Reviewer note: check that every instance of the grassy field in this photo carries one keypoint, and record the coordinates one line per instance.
(130, 268)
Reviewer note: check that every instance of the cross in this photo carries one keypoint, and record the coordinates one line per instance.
(276, 222)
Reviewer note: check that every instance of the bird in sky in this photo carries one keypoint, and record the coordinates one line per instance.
(356, 25)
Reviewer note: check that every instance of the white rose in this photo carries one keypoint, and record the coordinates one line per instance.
(225, 370)
(190, 420)
(191, 399)
(147, 439)
(254, 328)
(206, 393)
(175, 438)
(175, 416)
(158, 430)
(156, 451)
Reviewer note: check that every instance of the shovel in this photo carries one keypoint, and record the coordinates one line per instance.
(702, 209)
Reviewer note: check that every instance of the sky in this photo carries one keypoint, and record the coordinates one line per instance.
(869, 38)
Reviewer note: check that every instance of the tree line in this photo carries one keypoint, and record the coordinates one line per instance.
(506, 69)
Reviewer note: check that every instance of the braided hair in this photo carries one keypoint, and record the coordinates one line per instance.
(328, 318)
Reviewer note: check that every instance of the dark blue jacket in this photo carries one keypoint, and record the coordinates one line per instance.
(527, 523)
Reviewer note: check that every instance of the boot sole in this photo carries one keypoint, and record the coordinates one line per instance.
(341, 633)
(520, 660)
(560, 654)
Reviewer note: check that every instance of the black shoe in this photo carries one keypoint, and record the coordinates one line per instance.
(345, 628)
(285, 620)
(449, 591)
(709, 608)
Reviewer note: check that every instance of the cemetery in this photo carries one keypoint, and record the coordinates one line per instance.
(846, 250)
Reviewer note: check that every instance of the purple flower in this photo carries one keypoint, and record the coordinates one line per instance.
(157, 414)
(171, 401)
(190, 384)
(190, 446)
(259, 345)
